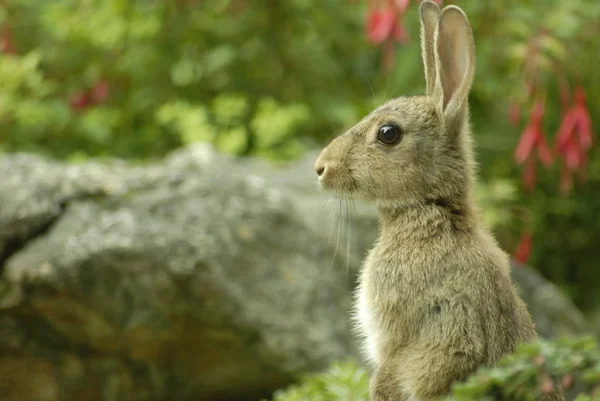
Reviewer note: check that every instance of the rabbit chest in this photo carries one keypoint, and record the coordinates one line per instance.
(390, 301)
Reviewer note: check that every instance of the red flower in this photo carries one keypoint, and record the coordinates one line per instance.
(533, 138)
(99, 92)
(381, 25)
(402, 5)
(79, 101)
(576, 122)
(386, 24)
(90, 97)
(523, 251)
(574, 139)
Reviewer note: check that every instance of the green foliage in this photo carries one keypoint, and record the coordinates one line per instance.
(537, 368)
(497, 198)
(235, 73)
(534, 368)
(343, 381)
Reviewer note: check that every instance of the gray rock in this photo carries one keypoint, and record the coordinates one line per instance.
(195, 278)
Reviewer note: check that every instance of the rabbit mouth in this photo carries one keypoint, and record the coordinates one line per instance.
(339, 183)
(333, 166)
(344, 190)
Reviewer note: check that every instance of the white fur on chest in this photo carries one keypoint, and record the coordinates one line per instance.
(378, 300)
(366, 324)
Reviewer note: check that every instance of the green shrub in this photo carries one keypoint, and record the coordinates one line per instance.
(574, 363)
(345, 381)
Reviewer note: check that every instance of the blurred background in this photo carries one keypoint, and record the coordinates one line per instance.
(139, 79)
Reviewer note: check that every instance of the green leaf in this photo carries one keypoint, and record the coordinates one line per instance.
(232, 141)
(229, 108)
(273, 122)
(183, 72)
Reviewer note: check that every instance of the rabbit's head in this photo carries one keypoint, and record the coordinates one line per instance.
(416, 148)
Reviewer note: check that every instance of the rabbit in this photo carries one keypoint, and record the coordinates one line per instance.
(435, 299)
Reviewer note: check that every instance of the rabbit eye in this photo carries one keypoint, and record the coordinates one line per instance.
(389, 134)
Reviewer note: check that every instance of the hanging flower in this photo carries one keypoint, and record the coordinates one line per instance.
(523, 250)
(573, 140)
(79, 101)
(533, 139)
(402, 4)
(384, 25)
(99, 92)
(93, 96)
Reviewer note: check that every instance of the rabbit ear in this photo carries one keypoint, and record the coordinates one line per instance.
(455, 48)
(430, 16)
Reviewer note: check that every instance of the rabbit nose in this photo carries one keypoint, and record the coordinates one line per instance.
(319, 168)
(321, 163)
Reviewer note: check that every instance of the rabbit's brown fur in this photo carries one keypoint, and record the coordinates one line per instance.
(435, 299)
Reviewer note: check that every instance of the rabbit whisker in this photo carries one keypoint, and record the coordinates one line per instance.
(333, 215)
(348, 234)
(339, 233)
